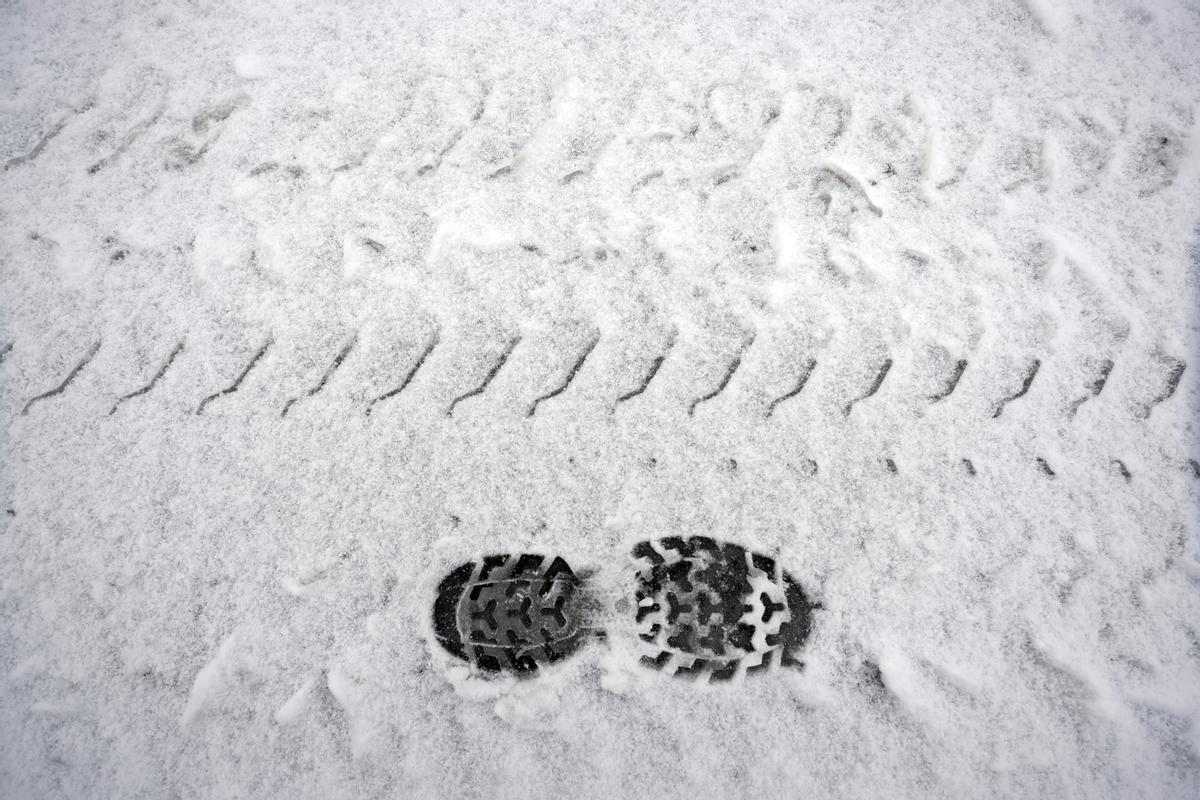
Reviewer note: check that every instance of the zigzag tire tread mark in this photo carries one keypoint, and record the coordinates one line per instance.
(515, 613)
(1163, 376)
(714, 611)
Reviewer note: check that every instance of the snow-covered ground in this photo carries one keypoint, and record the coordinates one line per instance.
(915, 285)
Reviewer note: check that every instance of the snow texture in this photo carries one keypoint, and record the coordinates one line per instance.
(304, 304)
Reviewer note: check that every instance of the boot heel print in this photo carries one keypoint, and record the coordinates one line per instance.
(512, 613)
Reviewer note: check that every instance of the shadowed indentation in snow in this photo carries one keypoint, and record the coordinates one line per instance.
(955, 376)
(805, 373)
(184, 151)
(1025, 384)
(1122, 469)
(1174, 376)
(578, 365)
(728, 376)
(843, 177)
(157, 375)
(872, 682)
(37, 148)
(1094, 388)
(878, 382)
(233, 387)
(487, 379)
(57, 390)
(655, 366)
(645, 180)
(134, 134)
(337, 362)
(408, 377)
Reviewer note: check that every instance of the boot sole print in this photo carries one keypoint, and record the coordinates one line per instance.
(509, 612)
(705, 610)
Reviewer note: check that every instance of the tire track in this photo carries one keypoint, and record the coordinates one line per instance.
(578, 365)
(1174, 376)
(655, 366)
(1025, 384)
(487, 379)
(408, 377)
(154, 380)
(801, 382)
(878, 382)
(337, 362)
(132, 136)
(729, 373)
(233, 387)
(38, 147)
(1101, 373)
(959, 368)
(67, 381)
(1094, 389)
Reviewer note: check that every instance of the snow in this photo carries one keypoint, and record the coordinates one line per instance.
(634, 211)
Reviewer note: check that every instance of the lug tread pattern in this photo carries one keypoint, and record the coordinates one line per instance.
(514, 613)
(714, 611)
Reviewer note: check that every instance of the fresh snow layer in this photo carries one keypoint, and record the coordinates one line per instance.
(303, 304)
